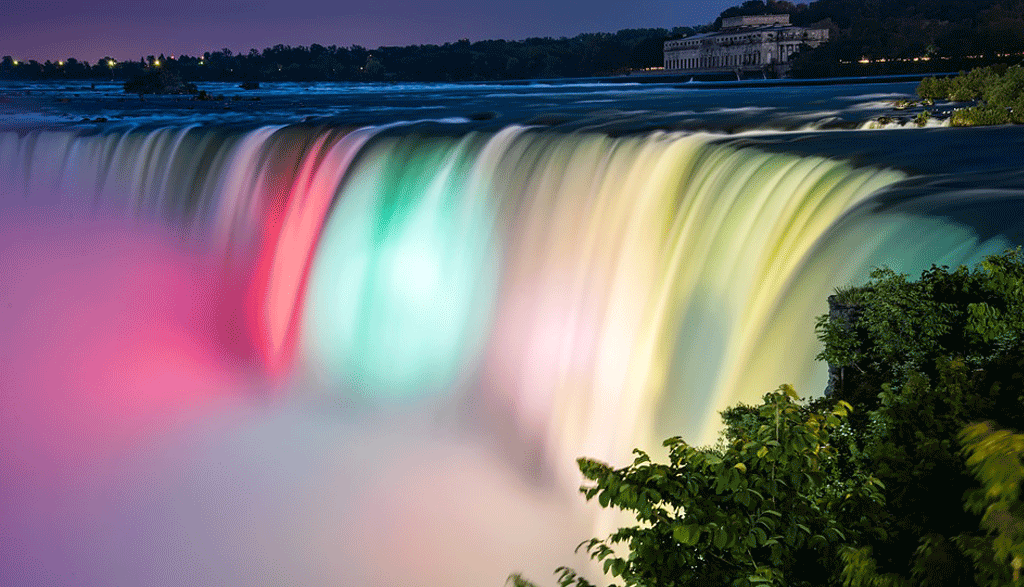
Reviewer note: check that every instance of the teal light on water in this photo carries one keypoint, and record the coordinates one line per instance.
(403, 282)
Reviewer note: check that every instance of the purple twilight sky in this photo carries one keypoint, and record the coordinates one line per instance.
(128, 29)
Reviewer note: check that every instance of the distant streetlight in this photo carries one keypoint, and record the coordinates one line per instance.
(110, 64)
(156, 63)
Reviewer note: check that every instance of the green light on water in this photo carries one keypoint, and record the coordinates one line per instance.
(403, 281)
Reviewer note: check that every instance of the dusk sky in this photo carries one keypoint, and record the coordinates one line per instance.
(128, 29)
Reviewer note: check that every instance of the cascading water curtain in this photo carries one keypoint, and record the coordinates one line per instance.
(366, 346)
(599, 292)
(580, 282)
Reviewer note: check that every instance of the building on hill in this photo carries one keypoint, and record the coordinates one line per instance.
(746, 44)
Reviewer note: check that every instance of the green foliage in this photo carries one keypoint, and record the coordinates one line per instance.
(980, 116)
(994, 457)
(1007, 90)
(861, 570)
(590, 54)
(904, 326)
(851, 296)
(999, 91)
(763, 510)
(866, 487)
(517, 580)
(933, 88)
(923, 359)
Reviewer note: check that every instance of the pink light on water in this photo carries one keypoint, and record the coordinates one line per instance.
(109, 336)
(291, 231)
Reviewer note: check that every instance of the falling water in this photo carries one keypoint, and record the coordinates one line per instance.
(554, 294)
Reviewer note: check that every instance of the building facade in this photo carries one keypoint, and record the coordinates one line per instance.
(745, 44)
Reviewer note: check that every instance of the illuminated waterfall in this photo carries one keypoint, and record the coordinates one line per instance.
(367, 350)
(598, 292)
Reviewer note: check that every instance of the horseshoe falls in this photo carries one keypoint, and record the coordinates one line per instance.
(369, 355)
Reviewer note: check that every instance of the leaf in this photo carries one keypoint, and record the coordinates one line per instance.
(721, 538)
(681, 534)
(742, 468)
(686, 534)
(641, 457)
(760, 535)
(788, 390)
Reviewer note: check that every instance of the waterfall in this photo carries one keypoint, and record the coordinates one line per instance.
(569, 293)
(603, 291)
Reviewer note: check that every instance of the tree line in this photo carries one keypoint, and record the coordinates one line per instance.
(950, 34)
(595, 54)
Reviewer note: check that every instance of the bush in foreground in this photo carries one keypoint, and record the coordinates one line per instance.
(763, 510)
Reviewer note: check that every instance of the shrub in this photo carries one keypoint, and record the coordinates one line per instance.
(865, 487)
(999, 90)
(765, 509)
(933, 88)
(980, 116)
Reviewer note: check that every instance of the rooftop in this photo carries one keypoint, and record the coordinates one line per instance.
(758, 20)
